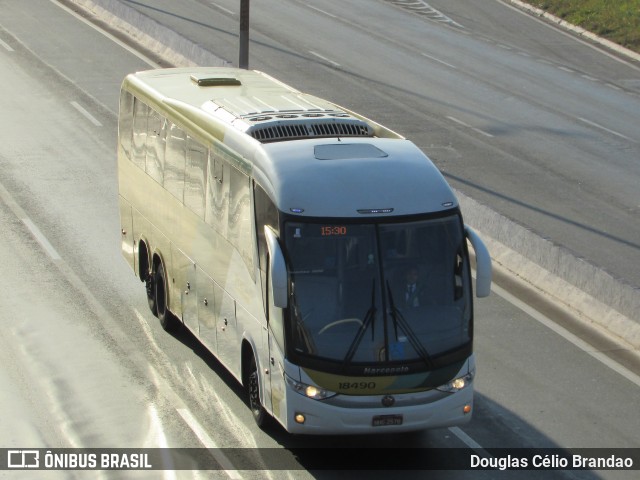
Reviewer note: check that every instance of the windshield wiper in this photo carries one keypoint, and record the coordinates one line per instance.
(369, 319)
(398, 319)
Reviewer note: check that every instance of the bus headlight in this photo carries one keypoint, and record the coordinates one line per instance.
(457, 384)
(309, 391)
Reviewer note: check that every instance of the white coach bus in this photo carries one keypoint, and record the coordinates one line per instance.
(282, 230)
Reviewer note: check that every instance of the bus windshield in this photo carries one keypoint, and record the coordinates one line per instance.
(379, 293)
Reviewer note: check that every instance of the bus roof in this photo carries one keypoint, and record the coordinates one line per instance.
(354, 177)
(312, 156)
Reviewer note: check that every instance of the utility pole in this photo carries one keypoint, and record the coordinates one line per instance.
(243, 62)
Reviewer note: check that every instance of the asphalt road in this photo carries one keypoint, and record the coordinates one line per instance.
(86, 365)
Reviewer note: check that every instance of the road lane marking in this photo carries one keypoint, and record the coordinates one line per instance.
(322, 11)
(220, 7)
(17, 210)
(41, 239)
(6, 46)
(114, 39)
(438, 60)
(460, 122)
(596, 125)
(567, 335)
(468, 441)
(86, 114)
(208, 442)
(423, 8)
(315, 54)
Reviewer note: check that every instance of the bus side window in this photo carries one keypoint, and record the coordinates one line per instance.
(195, 176)
(239, 227)
(175, 161)
(125, 124)
(266, 213)
(217, 191)
(156, 133)
(140, 119)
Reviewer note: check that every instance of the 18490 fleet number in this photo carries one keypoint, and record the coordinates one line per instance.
(357, 385)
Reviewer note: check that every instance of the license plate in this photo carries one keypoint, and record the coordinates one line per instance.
(386, 420)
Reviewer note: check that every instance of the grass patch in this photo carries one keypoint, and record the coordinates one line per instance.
(615, 20)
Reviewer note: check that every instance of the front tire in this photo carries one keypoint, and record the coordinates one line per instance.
(260, 415)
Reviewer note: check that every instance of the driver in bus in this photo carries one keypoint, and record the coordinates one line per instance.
(412, 293)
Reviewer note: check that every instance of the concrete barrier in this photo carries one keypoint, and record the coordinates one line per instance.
(170, 46)
(594, 294)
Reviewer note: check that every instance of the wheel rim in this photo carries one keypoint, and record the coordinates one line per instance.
(254, 392)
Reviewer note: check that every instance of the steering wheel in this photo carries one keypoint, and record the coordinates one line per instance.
(339, 322)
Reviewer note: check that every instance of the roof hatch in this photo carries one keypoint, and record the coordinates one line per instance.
(217, 81)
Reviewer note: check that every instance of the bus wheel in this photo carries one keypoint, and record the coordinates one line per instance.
(253, 391)
(151, 292)
(168, 321)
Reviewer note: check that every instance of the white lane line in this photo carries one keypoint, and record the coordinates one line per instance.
(6, 46)
(460, 122)
(578, 342)
(114, 39)
(612, 132)
(220, 7)
(322, 11)
(208, 442)
(41, 239)
(438, 60)
(86, 114)
(315, 54)
(468, 441)
(17, 210)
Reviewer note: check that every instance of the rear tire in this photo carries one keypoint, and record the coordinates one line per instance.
(168, 321)
(150, 286)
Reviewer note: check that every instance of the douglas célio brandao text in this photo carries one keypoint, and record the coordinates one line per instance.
(551, 461)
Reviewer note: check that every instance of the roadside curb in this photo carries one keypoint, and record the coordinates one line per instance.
(593, 294)
(576, 29)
